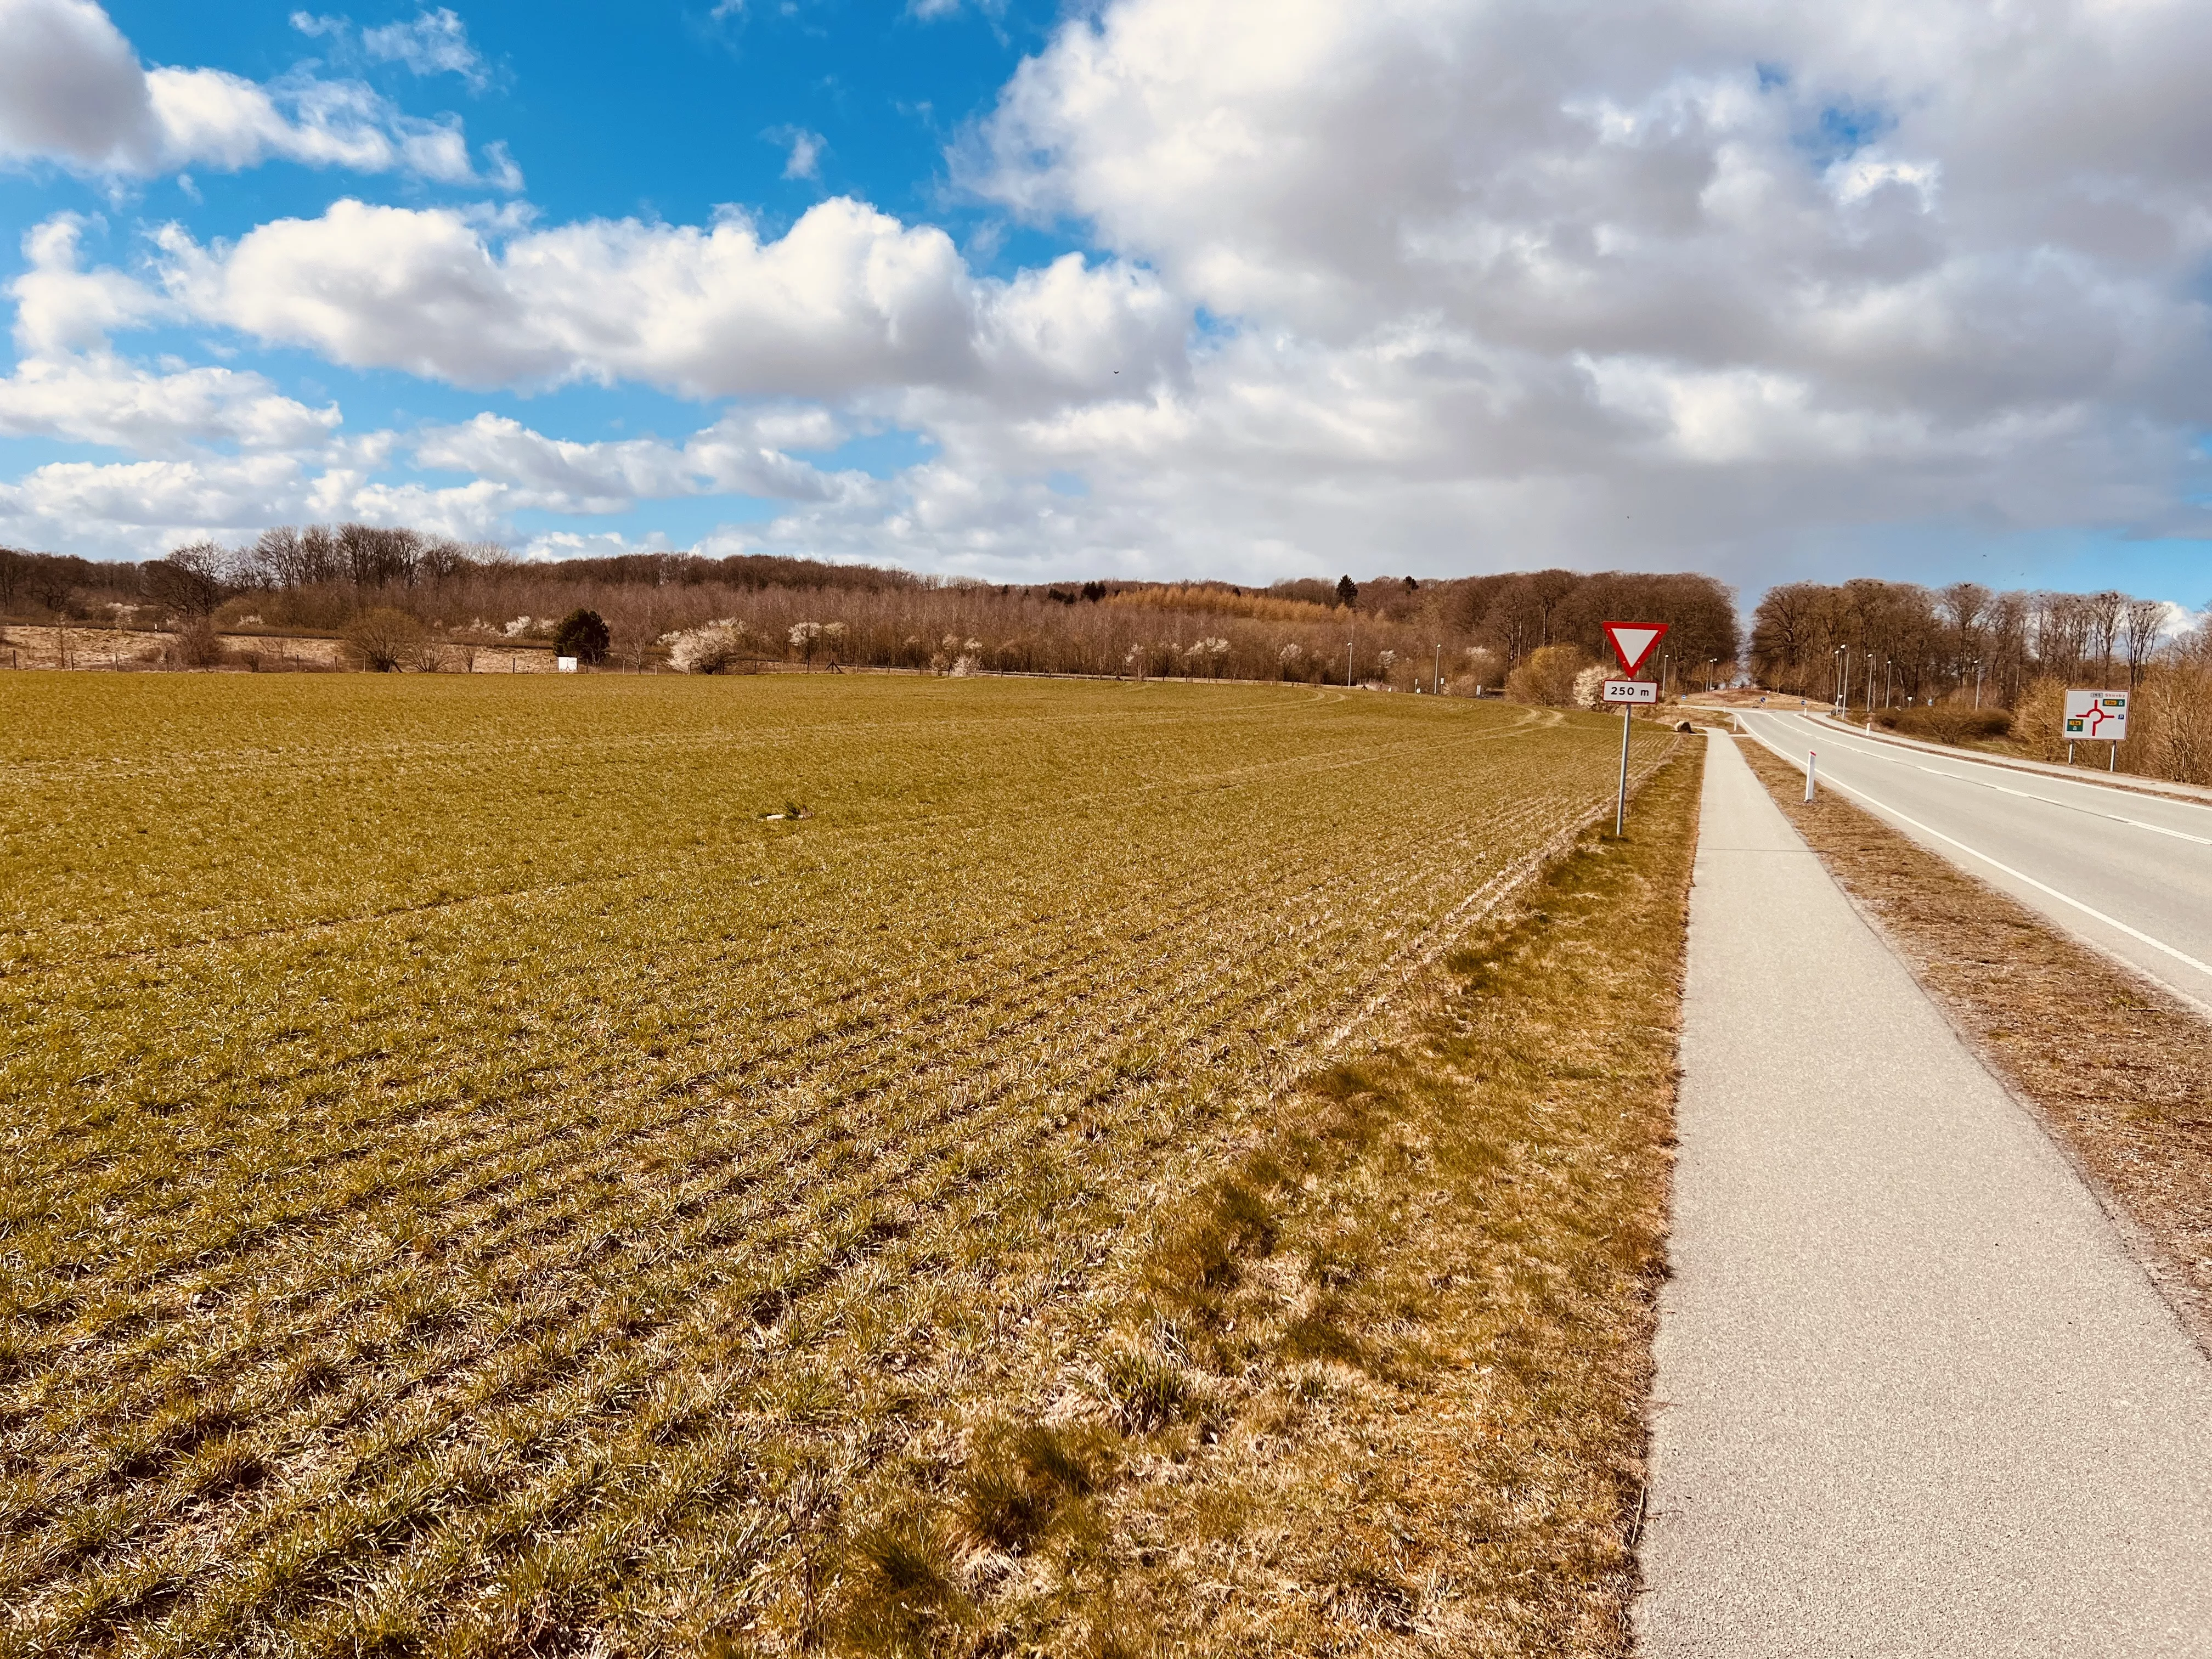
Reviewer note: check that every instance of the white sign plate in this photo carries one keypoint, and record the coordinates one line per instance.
(2098, 716)
(566, 665)
(1630, 691)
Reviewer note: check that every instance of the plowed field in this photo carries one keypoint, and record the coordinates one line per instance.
(497, 1166)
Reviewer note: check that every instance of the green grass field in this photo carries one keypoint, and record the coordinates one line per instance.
(478, 1180)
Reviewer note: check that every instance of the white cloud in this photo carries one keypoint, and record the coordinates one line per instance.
(67, 384)
(736, 456)
(70, 87)
(141, 504)
(61, 307)
(72, 91)
(847, 300)
(804, 160)
(1438, 284)
(100, 399)
(435, 43)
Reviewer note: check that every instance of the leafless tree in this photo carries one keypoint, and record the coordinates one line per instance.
(189, 582)
(383, 639)
(2104, 611)
(2143, 621)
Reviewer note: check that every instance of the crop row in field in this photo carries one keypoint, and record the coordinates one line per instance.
(492, 1160)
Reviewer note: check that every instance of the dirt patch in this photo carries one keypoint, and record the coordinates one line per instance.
(2120, 1072)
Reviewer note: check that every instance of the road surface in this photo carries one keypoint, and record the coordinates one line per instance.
(2131, 874)
(1914, 1396)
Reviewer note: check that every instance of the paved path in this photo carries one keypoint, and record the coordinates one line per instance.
(1914, 1396)
(2130, 873)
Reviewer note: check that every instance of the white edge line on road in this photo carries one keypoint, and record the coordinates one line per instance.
(1873, 751)
(2017, 875)
(2140, 787)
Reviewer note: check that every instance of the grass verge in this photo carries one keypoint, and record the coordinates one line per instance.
(1380, 1385)
(2120, 1072)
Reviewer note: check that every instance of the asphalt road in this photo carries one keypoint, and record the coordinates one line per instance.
(2129, 872)
(1914, 1396)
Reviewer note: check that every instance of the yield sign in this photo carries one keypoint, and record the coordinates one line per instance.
(1633, 642)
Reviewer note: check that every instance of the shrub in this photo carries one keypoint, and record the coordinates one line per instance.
(582, 635)
(384, 640)
(1546, 675)
(197, 646)
(1947, 723)
(717, 647)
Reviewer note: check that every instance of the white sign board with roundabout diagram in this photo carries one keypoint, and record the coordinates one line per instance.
(2096, 716)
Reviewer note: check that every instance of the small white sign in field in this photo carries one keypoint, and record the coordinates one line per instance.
(1630, 691)
(2100, 716)
(566, 665)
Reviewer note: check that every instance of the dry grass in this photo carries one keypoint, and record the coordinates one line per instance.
(1379, 1388)
(479, 1183)
(2120, 1072)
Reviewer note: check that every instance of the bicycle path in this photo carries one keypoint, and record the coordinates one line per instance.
(1914, 1396)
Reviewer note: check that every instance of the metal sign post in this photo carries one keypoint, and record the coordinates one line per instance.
(1620, 799)
(1633, 643)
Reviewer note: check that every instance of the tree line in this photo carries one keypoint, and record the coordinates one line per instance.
(1471, 632)
(1913, 645)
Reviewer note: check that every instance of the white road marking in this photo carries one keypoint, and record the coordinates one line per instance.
(2090, 910)
(1873, 753)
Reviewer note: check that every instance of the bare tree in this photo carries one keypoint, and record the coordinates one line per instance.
(189, 582)
(2104, 611)
(1965, 605)
(2061, 633)
(2144, 621)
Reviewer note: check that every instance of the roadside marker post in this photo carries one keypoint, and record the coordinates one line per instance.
(1631, 642)
(1811, 771)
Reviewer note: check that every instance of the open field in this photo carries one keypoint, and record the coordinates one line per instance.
(502, 1165)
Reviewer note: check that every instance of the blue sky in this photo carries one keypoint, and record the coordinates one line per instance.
(1211, 287)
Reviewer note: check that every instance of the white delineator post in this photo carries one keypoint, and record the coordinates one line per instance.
(1811, 771)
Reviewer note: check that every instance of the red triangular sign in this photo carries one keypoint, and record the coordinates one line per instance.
(1633, 642)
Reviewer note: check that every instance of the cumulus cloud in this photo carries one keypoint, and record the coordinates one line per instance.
(100, 399)
(538, 471)
(1764, 246)
(72, 91)
(144, 500)
(67, 383)
(1440, 284)
(848, 299)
